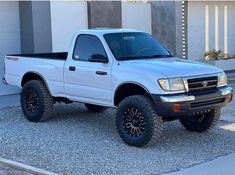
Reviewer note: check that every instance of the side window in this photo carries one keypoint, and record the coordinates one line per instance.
(87, 45)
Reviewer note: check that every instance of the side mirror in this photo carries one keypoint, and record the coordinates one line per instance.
(98, 58)
(170, 52)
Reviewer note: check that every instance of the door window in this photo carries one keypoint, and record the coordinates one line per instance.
(86, 46)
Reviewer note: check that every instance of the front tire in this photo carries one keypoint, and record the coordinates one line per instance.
(201, 122)
(36, 101)
(137, 122)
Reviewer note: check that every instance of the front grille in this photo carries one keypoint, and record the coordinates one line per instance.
(202, 84)
(206, 103)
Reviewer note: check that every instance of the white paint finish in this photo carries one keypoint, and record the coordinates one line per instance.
(137, 16)
(67, 17)
(197, 37)
(9, 37)
(51, 70)
(225, 29)
(216, 27)
(207, 28)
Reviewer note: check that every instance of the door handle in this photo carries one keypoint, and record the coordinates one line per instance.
(101, 73)
(72, 68)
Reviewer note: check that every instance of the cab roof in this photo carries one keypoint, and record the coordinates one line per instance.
(102, 31)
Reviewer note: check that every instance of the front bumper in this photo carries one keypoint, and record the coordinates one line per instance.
(186, 104)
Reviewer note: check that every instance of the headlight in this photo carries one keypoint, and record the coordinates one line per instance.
(172, 84)
(222, 79)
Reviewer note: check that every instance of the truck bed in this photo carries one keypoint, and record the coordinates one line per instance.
(53, 56)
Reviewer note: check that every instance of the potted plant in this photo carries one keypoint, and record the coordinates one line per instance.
(220, 59)
(213, 54)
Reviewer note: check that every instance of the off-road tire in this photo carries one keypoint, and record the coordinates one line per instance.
(153, 124)
(206, 121)
(43, 100)
(95, 108)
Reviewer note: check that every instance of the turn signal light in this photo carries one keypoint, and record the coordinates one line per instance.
(176, 107)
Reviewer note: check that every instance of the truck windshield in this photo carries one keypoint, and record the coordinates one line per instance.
(135, 45)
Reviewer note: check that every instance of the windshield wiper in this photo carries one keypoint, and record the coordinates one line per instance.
(142, 57)
(130, 57)
(156, 56)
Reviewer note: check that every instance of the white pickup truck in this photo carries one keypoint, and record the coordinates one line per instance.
(124, 69)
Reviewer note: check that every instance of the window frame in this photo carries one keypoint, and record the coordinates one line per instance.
(88, 35)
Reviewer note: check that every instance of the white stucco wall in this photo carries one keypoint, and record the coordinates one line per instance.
(9, 37)
(196, 27)
(66, 18)
(137, 16)
(231, 28)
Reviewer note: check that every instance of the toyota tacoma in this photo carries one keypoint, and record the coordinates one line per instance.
(123, 69)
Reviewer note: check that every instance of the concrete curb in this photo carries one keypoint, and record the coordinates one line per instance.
(6, 95)
(222, 165)
(26, 168)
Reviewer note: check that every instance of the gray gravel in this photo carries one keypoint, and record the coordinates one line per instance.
(76, 141)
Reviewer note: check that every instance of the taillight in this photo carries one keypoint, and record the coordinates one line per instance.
(10, 58)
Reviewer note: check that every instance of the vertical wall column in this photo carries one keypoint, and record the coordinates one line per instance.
(169, 25)
(35, 26)
(164, 23)
(207, 28)
(226, 30)
(184, 29)
(104, 14)
(216, 27)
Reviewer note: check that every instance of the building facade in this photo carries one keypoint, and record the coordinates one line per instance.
(188, 29)
(210, 25)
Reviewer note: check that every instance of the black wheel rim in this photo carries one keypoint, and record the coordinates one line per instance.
(31, 101)
(199, 117)
(133, 122)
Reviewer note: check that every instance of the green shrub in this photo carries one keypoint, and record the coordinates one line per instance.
(214, 55)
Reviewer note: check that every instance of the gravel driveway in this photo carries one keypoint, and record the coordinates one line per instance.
(76, 141)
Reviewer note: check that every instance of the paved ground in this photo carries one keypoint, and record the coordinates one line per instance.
(9, 101)
(80, 142)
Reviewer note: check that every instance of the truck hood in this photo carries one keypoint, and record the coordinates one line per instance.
(172, 67)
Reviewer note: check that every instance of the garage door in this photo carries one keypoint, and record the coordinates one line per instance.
(9, 37)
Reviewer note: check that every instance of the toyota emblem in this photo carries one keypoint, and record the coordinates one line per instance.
(204, 83)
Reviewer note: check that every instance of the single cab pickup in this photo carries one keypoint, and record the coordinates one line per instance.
(123, 69)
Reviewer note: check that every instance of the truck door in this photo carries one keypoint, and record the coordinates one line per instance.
(84, 80)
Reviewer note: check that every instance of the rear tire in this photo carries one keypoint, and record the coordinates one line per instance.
(95, 108)
(36, 101)
(201, 122)
(137, 122)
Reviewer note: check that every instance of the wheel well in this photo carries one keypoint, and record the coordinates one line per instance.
(30, 76)
(127, 90)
